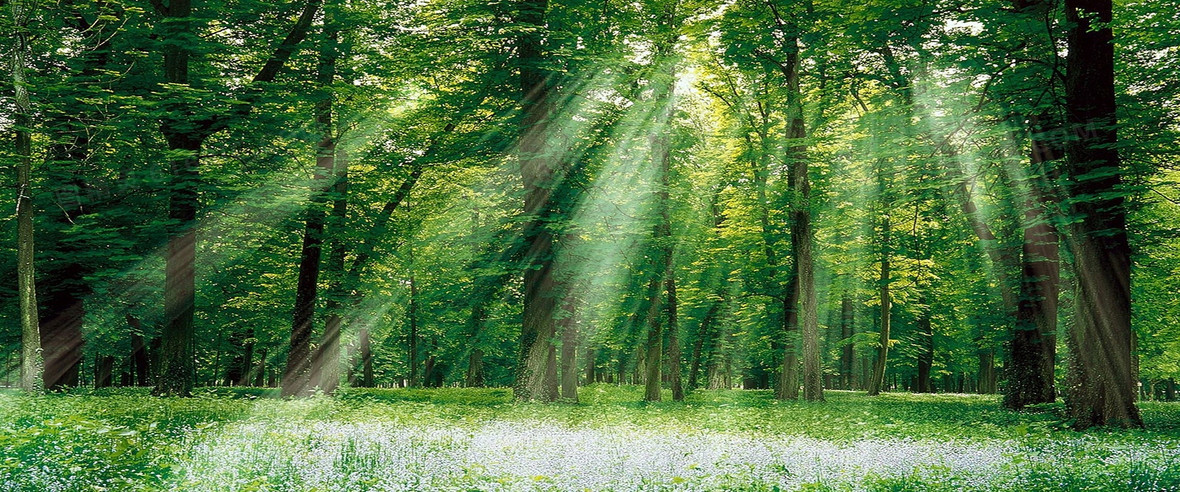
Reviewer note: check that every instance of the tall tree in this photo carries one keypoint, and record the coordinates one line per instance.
(1102, 387)
(185, 130)
(802, 234)
(31, 363)
(298, 377)
(1033, 347)
(877, 381)
(536, 372)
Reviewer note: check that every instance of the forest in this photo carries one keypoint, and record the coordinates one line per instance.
(885, 221)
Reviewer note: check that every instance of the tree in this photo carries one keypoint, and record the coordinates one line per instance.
(536, 377)
(298, 377)
(186, 133)
(1102, 387)
(802, 235)
(31, 363)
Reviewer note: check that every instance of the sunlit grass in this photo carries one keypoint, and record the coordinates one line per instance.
(479, 439)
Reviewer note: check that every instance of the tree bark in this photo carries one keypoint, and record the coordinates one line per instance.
(412, 316)
(1032, 349)
(32, 364)
(538, 172)
(926, 347)
(298, 378)
(655, 342)
(1102, 386)
(802, 238)
(674, 373)
(139, 356)
(878, 375)
(591, 365)
(569, 348)
(326, 360)
(848, 350)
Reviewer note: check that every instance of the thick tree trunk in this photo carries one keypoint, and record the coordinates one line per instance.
(787, 386)
(537, 358)
(177, 369)
(61, 335)
(655, 342)
(1032, 350)
(1102, 386)
(802, 239)
(674, 373)
(987, 371)
(476, 375)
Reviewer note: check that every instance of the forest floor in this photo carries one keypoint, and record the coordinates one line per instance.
(478, 439)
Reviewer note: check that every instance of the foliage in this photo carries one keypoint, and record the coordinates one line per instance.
(454, 438)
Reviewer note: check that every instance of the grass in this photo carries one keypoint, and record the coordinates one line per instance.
(479, 439)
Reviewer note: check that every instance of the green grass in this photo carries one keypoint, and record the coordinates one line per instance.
(479, 439)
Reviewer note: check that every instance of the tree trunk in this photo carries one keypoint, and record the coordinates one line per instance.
(926, 348)
(673, 337)
(802, 239)
(298, 378)
(366, 358)
(787, 387)
(538, 172)
(878, 376)
(655, 342)
(32, 365)
(61, 335)
(177, 369)
(412, 315)
(848, 350)
(239, 373)
(326, 361)
(591, 365)
(1102, 386)
(259, 372)
(1032, 350)
(139, 355)
(104, 365)
(569, 348)
(987, 371)
(476, 375)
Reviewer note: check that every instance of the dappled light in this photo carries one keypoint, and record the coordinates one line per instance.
(540, 245)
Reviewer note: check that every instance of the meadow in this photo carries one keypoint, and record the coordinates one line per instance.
(479, 439)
